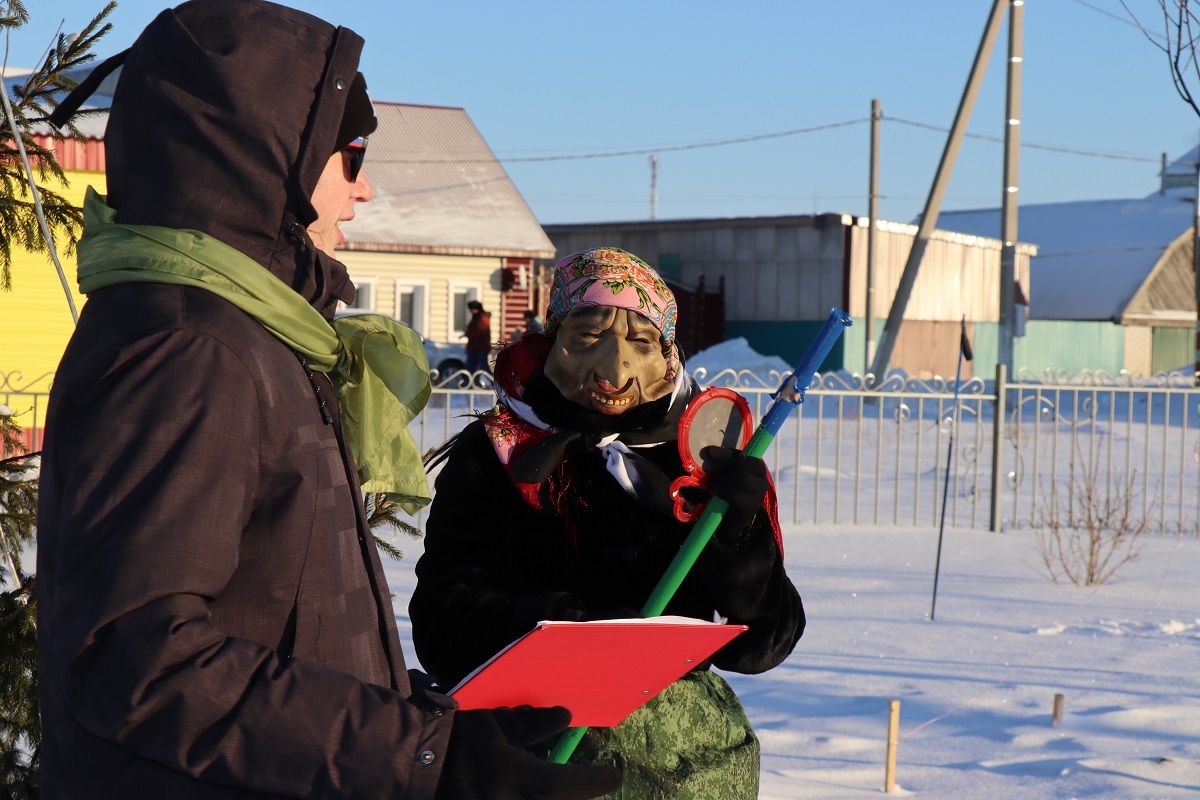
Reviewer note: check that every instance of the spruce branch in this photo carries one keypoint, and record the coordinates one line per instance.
(20, 725)
(12, 14)
(32, 103)
(20, 722)
(382, 512)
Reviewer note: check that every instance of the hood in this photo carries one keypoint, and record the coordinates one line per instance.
(225, 114)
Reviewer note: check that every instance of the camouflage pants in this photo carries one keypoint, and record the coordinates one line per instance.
(691, 742)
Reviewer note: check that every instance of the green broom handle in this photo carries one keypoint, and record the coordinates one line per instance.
(715, 510)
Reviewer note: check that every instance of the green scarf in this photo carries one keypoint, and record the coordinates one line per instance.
(377, 365)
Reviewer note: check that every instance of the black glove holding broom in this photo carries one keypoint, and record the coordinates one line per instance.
(737, 563)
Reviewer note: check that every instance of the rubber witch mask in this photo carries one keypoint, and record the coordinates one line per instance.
(614, 322)
(608, 359)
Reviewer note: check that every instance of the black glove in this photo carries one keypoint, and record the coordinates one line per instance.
(739, 480)
(530, 609)
(485, 759)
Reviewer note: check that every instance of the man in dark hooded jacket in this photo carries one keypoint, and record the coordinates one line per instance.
(214, 621)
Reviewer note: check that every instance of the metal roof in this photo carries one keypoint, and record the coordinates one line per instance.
(438, 186)
(1094, 254)
(439, 189)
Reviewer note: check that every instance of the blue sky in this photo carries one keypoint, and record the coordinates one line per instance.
(545, 78)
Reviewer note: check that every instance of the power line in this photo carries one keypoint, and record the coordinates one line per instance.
(641, 151)
(1133, 248)
(1130, 19)
(1054, 148)
(1106, 13)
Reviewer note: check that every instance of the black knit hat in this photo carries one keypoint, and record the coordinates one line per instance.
(359, 117)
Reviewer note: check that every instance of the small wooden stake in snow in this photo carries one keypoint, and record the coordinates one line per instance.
(1058, 706)
(889, 771)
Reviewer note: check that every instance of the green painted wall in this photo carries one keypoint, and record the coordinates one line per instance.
(852, 348)
(788, 340)
(669, 267)
(986, 346)
(1071, 346)
(1172, 348)
(1054, 344)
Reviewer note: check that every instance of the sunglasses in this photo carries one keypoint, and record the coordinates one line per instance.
(357, 151)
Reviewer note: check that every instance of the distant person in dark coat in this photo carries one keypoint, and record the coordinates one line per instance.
(213, 618)
(533, 323)
(479, 337)
(530, 323)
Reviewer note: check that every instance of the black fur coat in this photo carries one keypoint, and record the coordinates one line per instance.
(494, 565)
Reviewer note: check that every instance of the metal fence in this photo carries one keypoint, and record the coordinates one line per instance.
(1072, 449)
(27, 400)
(855, 453)
(1102, 449)
(860, 453)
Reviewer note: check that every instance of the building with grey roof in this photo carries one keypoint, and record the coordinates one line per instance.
(1113, 286)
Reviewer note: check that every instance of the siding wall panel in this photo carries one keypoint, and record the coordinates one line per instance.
(1070, 346)
(440, 272)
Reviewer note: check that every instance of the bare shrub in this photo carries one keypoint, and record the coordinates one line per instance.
(1097, 532)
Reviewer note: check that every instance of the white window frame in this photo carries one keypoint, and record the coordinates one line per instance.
(474, 290)
(420, 290)
(364, 283)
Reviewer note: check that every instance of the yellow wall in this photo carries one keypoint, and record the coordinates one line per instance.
(35, 322)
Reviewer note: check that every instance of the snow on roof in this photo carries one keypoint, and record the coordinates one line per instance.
(1093, 254)
(439, 189)
(942, 235)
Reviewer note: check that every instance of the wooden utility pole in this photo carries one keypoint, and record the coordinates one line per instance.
(872, 221)
(1008, 203)
(1196, 260)
(933, 204)
(654, 186)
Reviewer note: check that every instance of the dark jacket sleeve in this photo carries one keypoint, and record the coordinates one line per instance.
(462, 610)
(156, 471)
(746, 578)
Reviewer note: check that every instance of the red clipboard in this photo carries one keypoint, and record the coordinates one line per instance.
(602, 671)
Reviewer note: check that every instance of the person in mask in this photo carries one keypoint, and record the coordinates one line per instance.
(555, 505)
(213, 617)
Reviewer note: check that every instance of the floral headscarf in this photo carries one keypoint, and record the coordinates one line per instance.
(610, 276)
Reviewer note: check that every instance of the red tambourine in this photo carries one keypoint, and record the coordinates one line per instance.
(717, 416)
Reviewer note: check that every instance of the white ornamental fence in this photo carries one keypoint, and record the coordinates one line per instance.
(861, 453)
(1070, 449)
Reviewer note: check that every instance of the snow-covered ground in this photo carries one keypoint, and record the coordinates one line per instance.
(977, 684)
